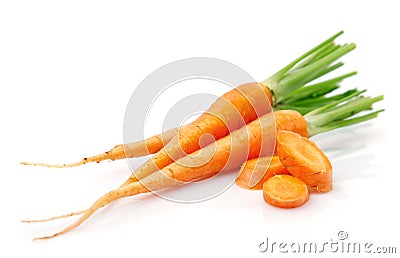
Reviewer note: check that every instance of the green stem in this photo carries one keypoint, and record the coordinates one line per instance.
(343, 123)
(315, 90)
(307, 105)
(306, 68)
(328, 69)
(306, 74)
(323, 51)
(321, 100)
(277, 76)
(341, 113)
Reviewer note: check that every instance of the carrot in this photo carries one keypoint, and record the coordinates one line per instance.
(268, 166)
(305, 160)
(225, 154)
(228, 153)
(131, 150)
(285, 191)
(323, 119)
(240, 106)
(302, 157)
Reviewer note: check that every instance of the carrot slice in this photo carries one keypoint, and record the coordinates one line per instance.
(305, 160)
(267, 166)
(285, 191)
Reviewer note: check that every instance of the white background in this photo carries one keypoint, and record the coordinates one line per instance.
(67, 70)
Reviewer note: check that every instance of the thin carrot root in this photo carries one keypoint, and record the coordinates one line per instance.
(264, 168)
(131, 150)
(131, 179)
(106, 199)
(55, 217)
(114, 154)
(305, 160)
(285, 191)
(225, 154)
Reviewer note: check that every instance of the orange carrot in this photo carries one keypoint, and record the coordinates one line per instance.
(240, 106)
(305, 160)
(302, 157)
(244, 104)
(254, 140)
(285, 191)
(230, 112)
(268, 166)
(227, 153)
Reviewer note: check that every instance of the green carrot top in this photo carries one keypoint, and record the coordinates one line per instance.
(290, 84)
(342, 112)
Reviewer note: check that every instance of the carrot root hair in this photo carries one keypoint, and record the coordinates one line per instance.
(116, 153)
(71, 214)
(129, 190)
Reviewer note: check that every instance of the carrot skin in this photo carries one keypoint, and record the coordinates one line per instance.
(150, 145)
(268, 166)
(255, 139)
(231, 111)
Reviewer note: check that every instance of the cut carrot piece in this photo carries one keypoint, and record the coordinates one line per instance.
(285, 191)
(305, 160)
(267, 166)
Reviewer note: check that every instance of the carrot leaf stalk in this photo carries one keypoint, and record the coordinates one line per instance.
(307, 105)
(341, 113)
(316, 90)
(308, 67)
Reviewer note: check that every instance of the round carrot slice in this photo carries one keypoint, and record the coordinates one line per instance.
(285, 191)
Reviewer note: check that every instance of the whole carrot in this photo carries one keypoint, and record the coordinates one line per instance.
(230, 152)
(238, 107)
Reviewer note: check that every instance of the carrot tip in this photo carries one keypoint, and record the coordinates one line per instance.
(82, 162)
(44, 237)
(55, 217)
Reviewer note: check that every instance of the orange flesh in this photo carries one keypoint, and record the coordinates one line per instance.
(268, 166)
(305, 160)
(285, 191)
